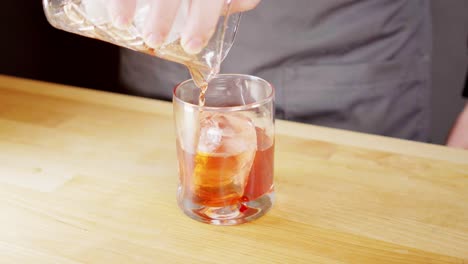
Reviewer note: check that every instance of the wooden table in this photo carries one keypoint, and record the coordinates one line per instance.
(88, 176)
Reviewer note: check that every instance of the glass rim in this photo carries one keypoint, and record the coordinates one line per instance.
(263, 101)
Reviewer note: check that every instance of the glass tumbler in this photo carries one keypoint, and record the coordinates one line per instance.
(225, 149)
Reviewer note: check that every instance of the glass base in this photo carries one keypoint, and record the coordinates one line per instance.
(229, 215)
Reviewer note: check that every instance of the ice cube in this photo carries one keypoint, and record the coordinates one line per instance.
(96, 11)
(226, 133)
(226, 149)
(142, 12)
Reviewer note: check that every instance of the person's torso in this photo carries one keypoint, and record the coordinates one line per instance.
(354, 64)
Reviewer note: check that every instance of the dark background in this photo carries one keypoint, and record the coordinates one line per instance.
(31, 48)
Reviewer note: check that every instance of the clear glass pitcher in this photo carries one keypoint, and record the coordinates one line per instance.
(91, 18)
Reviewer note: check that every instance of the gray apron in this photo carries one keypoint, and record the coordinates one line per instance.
(362, 65)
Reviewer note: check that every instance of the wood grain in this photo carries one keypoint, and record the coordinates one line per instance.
(90, 177)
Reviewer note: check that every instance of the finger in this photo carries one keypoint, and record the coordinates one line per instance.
(201, 24)
(160, 20)
(243, 5)
(458, 136)
(121, 12)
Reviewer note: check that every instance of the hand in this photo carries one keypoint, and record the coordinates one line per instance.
(458, 136)
(202, 19)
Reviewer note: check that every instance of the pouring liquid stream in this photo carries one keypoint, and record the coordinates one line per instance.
(199, 78)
